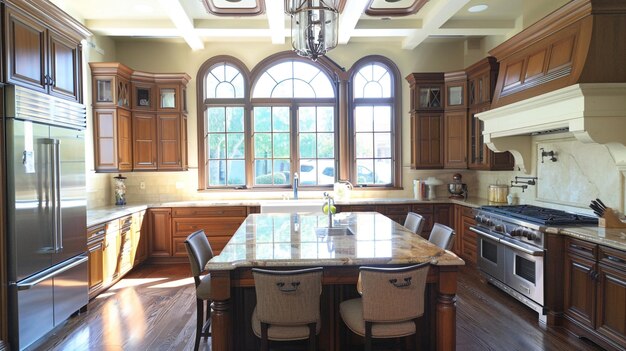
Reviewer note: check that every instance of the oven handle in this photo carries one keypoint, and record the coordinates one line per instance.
(507, 243)
(485, 234)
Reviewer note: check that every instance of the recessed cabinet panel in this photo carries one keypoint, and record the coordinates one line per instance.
(64, 78)
(40, 58)
(169, 141)
(26, 50)
(145, 141)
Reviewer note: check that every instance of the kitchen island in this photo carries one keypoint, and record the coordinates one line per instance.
(292, 241)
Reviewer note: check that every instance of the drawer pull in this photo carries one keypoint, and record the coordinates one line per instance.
(578, 247)
(615, 259)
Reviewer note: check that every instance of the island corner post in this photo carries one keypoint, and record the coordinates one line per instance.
(444, 279)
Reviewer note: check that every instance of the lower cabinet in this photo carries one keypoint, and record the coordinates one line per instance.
(160, 232)
(432, 213)
(219, 225)
(113, 250)
(465, 241)
(595, 293)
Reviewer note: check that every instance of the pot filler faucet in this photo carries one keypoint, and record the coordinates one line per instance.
(295, 186)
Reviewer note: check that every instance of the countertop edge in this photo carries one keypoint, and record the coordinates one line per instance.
(104, 214)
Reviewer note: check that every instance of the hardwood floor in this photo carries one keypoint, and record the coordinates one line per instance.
(153, 308)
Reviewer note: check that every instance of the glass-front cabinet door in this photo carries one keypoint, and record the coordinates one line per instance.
(429, 97)
(143, 97)
(169, 96)
(103, 93)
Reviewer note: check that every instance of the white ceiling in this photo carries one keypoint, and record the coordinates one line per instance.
(189, 20)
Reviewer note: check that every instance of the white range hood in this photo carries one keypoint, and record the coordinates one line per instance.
(592, 112)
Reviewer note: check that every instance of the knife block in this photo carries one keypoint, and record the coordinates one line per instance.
(610, 220)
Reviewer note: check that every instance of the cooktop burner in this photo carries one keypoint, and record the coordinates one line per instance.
(541, 215)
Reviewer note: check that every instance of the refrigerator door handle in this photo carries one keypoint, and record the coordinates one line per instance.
(57, 188)
(49, 273)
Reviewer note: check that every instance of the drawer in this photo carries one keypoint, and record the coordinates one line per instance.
(222, 226)
(400, 210)
(220, 211)
(421, 209)
(357, 208)
(217, 245)
(467, 211)
(612, 257)
(95, 232)
(582, 248)
(126, 222)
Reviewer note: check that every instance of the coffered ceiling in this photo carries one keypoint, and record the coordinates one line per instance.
(406, 23)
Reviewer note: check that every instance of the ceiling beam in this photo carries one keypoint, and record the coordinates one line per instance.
(275, 11)
(439, 14)
(183, 22)
(348, 19)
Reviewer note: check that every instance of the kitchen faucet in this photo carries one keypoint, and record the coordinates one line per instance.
(330, 202)
(295, 186)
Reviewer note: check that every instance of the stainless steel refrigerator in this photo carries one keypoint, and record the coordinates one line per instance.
(46, 212)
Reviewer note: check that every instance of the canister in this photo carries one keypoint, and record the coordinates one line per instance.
(498, 193)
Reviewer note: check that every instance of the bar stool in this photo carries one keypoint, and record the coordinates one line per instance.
(414, 222)
(391, 304)
(287, 305)
(200, 252)
(442, 236)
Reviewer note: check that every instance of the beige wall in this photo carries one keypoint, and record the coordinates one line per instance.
(176, 56)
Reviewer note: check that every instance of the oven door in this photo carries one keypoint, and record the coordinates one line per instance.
(524, 269)
(490, 253)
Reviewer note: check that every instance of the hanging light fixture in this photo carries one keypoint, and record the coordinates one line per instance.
(314, 26)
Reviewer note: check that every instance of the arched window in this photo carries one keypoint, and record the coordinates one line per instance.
(293, 102)
(224, 124)
(375, 121)
(291, 115)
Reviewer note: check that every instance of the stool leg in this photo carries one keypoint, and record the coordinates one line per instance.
(199, 322)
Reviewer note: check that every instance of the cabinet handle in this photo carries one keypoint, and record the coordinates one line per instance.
(615, 259)
(578, 247)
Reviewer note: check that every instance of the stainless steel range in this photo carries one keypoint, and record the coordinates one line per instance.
(511, 250)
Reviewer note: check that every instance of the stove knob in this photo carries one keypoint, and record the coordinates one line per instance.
(499, 228)
(488, 222)
(531, 235)
(517, 231)
(478, 218)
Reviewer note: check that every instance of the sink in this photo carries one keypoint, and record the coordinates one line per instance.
(334, 231)
(291, 206)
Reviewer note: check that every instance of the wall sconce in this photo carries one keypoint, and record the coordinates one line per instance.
(551, 154)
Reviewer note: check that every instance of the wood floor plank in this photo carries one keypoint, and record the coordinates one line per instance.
(153, 308)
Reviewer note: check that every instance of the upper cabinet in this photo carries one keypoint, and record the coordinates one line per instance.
(140, 119)
(481, 81)
(426, 120)
(455, 120)
(581, 42)
(40, 53)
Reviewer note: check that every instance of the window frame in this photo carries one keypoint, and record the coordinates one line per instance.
(395, 102)
(343, 103)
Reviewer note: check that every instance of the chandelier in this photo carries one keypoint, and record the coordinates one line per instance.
(314, 26)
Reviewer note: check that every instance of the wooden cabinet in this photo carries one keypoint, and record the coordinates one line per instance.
(455, 120)
(95, 247)
(160, 232)
(39, 56)
(219, 225)
(455, 139)
(594, 298)
(140, 119)
(110, 253)
(465, 245)
(480, 85)
(426, 109)
(112, 117)
(139, 238)
(611, 295)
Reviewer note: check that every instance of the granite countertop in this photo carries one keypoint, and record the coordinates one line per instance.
(104, 214)
(612, 237)
(280, 239)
